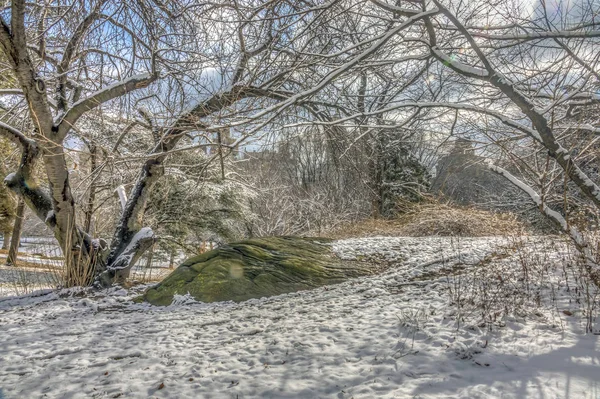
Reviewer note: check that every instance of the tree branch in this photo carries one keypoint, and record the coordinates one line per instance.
(573, 232)
(539, 122)
(63, 67)
(94, 100)
(15, 135)
(11, 92)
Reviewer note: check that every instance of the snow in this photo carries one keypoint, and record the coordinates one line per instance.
(122, 196)
(134, 78)
(124, 260)
(9, 177)
(388, 336)
(49, 216)
(459, 66)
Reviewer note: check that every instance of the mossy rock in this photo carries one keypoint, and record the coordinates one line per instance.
(257, 268)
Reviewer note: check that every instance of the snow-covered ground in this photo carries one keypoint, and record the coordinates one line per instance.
(45, 254)
(38, 245)
(40, 250)
(393, 335)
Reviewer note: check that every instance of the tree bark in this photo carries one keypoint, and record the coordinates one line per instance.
(16, 234)
(172, 259)
(6, 236)
(89, 211)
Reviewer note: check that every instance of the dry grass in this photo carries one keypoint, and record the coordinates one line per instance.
(436, 219)
(5, 252)
(23, 264)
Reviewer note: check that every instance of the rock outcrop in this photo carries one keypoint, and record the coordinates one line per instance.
(257, 268)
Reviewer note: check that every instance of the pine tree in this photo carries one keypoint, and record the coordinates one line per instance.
(403, 178)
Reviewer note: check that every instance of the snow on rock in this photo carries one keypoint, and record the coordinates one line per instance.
(385, 336)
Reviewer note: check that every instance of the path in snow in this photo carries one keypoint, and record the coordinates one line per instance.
(386, 336)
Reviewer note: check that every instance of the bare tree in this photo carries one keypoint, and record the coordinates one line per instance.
(93, 59)
(531, 71)
(160, 78)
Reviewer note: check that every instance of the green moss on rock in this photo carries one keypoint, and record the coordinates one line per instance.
(256, 268)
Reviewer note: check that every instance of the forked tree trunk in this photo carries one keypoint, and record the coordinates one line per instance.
(81, 253)
(16, 233)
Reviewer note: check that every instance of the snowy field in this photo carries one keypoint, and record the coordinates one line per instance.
(45, 254)
(395, 335)
(41, 250)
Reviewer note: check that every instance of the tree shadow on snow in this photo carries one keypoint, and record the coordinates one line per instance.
(565, 372)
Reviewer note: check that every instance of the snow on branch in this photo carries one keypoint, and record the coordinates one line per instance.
(395, 9)
(15, 135)
(589, 99)
(11, 92)
(411, 104)
(345, 67)
(287, 100)
(125, 258)
(561, 34)
(458, 66)
(101, 96)
(118, 270)
(573, 232)
(556, 217)
(588, 128)
(122, 196)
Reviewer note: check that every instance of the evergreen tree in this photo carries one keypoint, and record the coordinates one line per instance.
(401, 179)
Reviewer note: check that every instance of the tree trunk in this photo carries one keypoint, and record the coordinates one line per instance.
(16, 233)
(81, 254)
(89, 211)
(172, 259)
(6, 236)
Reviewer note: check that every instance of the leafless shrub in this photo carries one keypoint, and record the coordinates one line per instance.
(531, 277)
(412, 321)
(32, 273)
